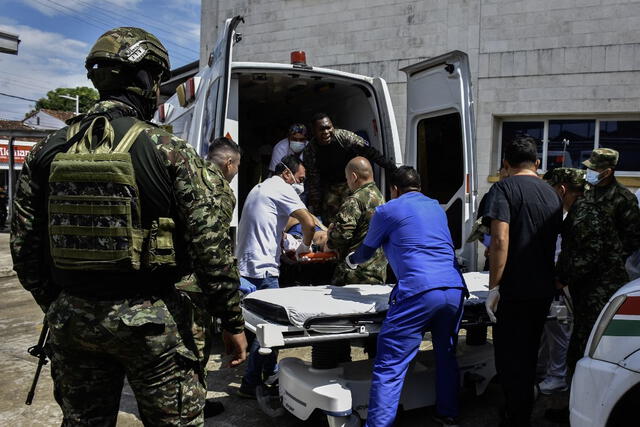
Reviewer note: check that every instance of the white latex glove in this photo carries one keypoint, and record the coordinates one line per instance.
(302, 249)
(491, 303)
(349, 263)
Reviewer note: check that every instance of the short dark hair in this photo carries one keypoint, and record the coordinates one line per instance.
(406, 178)
(223, 147)
(318, 116)
(291, 161)
(522, 150)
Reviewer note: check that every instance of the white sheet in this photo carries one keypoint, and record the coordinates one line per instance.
(303, 303)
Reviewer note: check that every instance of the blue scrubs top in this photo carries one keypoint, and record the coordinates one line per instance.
(414, 234)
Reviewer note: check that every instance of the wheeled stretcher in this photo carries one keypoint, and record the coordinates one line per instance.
(306, 315)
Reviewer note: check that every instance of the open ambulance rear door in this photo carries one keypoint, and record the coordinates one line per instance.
(210, 119)
(440, 142)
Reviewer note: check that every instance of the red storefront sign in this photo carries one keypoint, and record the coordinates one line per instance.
(20, 151)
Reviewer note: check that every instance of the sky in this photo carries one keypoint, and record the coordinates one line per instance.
(56, 36)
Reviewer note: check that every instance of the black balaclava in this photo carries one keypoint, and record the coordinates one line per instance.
(134, 87)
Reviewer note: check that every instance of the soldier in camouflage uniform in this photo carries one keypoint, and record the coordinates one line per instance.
(105, 325)
(590, 262)
(325, 158)
(351, 224)
(615, 199)
(222, 166)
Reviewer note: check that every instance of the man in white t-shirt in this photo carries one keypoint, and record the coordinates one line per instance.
(294, 143)
(264, 217)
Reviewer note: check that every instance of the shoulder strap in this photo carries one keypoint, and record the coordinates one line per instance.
(72, 130)
(86, 144)
(130, 137)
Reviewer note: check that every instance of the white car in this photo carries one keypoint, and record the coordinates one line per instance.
(605, 390)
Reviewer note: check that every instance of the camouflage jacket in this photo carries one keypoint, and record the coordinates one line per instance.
(622, 206)
(198, 212)
(353, 146)
(590, 255)
(348, 232)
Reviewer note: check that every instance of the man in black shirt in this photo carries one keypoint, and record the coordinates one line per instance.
(325, 158)
(526, 216)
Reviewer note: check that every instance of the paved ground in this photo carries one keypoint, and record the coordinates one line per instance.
(20, 323)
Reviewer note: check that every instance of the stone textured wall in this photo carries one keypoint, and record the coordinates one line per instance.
(566, 57)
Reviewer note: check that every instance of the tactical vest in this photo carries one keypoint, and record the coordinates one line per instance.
(94, 206)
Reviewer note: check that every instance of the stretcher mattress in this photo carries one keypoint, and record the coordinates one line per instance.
(303, 306)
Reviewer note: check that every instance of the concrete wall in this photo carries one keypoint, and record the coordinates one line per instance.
(552, 57)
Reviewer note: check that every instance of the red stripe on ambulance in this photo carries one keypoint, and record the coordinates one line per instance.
(631, 306)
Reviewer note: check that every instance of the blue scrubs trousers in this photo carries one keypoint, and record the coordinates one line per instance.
(438, 310)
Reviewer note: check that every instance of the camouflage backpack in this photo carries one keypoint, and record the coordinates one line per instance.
(94, 206)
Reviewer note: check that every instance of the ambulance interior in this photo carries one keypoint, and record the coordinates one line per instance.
(269, 101)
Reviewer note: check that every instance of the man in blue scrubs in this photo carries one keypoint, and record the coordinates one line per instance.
(412, 229)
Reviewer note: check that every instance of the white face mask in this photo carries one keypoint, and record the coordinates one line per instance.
(592, 177)
(298, 187)
(297, 146)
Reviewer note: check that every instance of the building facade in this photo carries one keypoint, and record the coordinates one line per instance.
(566, 72)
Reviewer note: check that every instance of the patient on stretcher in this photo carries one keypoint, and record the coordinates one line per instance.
(292, 237)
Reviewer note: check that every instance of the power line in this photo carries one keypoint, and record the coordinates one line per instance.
(18, 97)
(25, 85)
(111, 14)
(24, 82)
(102, 25)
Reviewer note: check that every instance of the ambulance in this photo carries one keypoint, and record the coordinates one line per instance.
(253, 103)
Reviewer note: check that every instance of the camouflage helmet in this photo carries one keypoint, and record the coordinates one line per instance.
(132, 46)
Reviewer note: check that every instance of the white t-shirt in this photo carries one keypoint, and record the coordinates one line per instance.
(264, 216)
(280, 151)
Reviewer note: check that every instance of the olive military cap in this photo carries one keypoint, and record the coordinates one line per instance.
(602, 158)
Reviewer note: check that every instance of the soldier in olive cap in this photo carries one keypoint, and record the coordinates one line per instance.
(616, 200)
(111, 320)
(590, 261)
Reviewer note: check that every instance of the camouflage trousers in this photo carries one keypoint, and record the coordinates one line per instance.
(202, 320)
(201, 329)
(332, 200)
(96, 344)
(587, 305)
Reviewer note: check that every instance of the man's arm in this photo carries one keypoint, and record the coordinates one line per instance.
(344, 226)
(629, 220)
(28, 235)
(378, 232)
(206, 228)
(360, 148)
(307, 223)
(498, 249)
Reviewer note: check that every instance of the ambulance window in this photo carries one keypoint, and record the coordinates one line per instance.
(440, 156)
(180, 126)
(209, 120)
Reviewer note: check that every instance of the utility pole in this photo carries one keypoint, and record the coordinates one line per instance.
(73, 98)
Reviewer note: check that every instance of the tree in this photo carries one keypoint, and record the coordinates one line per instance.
(88, 97)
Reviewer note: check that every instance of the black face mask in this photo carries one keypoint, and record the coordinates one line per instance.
(136, 88)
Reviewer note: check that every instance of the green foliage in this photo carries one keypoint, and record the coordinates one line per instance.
(88, 97)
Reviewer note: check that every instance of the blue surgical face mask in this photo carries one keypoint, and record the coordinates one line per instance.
(297, 146)
(592, 177)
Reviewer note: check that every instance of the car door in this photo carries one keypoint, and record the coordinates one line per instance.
(440, 142)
